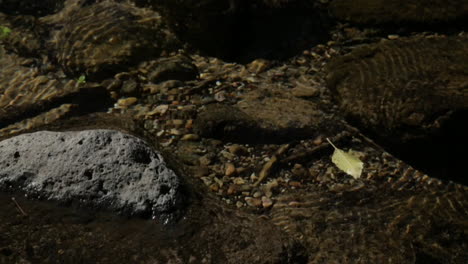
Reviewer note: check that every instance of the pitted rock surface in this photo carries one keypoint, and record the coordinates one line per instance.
(105, 168)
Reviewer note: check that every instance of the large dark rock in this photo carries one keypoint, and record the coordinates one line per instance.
(104, 168)
(399, 11)
(105, 38)
(405, 88)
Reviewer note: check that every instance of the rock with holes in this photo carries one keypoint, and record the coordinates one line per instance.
(102, 168)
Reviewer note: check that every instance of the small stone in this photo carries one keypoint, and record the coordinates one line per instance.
(214, 187)
(189, 124)
(126, 102)
(175, 132)
(237, 150)
(159, 110)
(232, 189)
(257, 194)
(266, 202)
(238, 181)
(230, 169)
(190, 137)
(227, 155)
(299, 171)
(220, 96)
(258, 66)
(301, 91)
(239, 204)
(240, 170)
(178, 123)
(393, 36)
(269, 188)
(254, 202)
(205, 160)
(294, 184)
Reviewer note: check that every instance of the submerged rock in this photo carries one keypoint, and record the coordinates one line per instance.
(391, 12)
(406, 86)
(104, 168)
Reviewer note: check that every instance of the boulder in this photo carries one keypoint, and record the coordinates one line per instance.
(102, 168)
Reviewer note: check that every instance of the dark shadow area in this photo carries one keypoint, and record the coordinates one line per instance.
(442, 155)
(248, 30)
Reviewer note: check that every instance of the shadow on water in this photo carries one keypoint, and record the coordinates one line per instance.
(56, 234)
(439, 155)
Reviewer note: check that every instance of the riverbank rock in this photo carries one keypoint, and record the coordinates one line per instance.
(104, 168)
(405, 88)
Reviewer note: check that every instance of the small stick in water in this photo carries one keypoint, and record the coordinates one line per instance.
(19, 207)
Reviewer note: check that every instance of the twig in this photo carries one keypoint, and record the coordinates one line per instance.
(269, 165)
(19, 207)
(308, 154)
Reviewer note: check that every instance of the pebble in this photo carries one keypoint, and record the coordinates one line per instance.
(214, 187)
(232, 189)
(266, 202)
(239, 181)
(300, 91)
(269, 188)
(299, 171)
(126, 102)
(159, 110)
(257, 194)
(205, 160)
(237, 150)
(175, 132)
(294, 184)
(258, 66)
(393, 36)
(230, 169)
(254, 202)
(190, 137)
(178, 123)
(239, 204)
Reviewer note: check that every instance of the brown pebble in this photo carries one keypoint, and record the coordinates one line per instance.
(189, 124)
(190, 137)
(205, 160)
(178, 123)
(254, 202)
(266, 202)
(230, 169)
(237, 150)
(214, 187)
(232, 189)
(295, 184)
(127, 101)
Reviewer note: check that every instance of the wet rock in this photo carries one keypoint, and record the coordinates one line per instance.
(31, 7)
(122, 39)
(224, 122)
(283, 117)
(404, 87)
(25, 92)
(399, 11)
(178, 68)
(104, 168)
(24, 36)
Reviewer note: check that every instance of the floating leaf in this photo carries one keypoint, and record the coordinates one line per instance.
(347, 162)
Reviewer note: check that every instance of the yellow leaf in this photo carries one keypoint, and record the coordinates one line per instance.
(347, 162)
